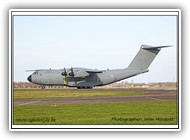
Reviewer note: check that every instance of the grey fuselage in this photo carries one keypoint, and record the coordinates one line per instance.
(55, 78)
(88, 78)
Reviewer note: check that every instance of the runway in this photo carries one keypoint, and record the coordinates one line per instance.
(148, 95)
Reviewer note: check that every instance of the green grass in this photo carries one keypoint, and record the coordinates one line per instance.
(55, 93)
(98, 113)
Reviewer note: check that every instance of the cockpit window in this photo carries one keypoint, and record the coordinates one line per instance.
(35, 72)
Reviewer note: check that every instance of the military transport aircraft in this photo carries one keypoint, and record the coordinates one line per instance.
(83, 78)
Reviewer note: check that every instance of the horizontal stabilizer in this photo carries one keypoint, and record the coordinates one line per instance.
(147, 47)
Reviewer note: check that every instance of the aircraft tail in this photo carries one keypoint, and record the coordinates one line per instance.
(144, 57)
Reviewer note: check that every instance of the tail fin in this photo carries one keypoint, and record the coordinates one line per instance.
(144, 57)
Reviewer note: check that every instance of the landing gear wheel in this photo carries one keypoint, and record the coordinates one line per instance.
(43, 87)
(84, 87)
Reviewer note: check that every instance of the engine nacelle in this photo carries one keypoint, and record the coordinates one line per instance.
(81, 74)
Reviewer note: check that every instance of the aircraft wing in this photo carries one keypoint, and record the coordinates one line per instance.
(94, 71)
(86, 72)
(38, 70)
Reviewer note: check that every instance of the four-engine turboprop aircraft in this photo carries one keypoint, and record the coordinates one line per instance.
(89, 78)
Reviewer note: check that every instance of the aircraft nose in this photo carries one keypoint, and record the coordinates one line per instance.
(29, 78)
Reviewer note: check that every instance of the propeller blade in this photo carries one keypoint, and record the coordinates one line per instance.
(71, 73)
(64, 73)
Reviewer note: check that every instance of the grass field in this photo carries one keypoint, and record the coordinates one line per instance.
(142, 112)
(54, 93)
(162, 112)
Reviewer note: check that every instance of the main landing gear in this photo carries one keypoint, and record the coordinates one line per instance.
(43, 87)
(84, 87)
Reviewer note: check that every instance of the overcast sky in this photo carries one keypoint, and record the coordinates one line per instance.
(101, 42)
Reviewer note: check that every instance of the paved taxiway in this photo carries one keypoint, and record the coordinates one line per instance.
(148, 95)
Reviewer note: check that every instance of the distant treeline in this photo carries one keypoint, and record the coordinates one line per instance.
(119, 84)
(153, 84)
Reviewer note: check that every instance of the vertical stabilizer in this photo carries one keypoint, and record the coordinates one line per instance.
(144, 57)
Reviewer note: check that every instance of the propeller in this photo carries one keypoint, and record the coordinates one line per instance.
(64, 73)
(71, 73)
